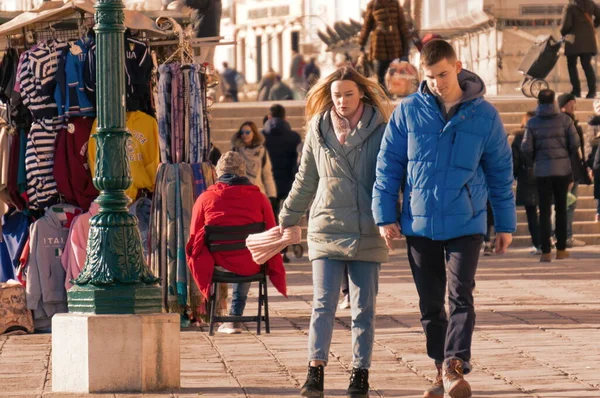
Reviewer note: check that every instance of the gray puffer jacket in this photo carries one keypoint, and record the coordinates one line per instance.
(550, 139)
(340, 179)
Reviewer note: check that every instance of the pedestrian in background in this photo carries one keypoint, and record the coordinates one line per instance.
(312, 73)
(593, 157)
(581, 18)
(550, 140)
(280, 91)
(385, 25)
(446, 147)
(297, 74)
(567, 104)
(249, 142)
(346, 115)
(526, 188)
(282, 144)
(229, 82)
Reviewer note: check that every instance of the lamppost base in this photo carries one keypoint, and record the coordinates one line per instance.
(115, 299)
(115, 353)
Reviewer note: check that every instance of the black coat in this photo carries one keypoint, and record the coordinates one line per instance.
(282, 144)
(523, 171)
(206, 17)
(578, 158)
(575, 22)
(594, 163)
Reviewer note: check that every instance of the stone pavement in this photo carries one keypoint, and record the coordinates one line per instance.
(538, 335)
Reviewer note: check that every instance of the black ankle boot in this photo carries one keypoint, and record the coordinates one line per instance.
(313, 387)
(359, 383)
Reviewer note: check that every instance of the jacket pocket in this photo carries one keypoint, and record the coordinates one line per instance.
(466, 150)
(470, 199)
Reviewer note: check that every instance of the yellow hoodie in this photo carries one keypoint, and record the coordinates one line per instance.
(142, 150)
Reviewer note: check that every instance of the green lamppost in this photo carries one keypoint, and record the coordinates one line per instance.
(115, 337)
(115, 279)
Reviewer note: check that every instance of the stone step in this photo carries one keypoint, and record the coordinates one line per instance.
(581, 215)
(581, 227)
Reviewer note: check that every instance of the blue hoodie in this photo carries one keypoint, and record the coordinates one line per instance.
(448, 163)
(15, 232)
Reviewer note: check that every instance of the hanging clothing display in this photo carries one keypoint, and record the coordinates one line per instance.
(15, 232)
(74, 255)
(182, 114)
(46, 294)
(71, 169)
(142, 151)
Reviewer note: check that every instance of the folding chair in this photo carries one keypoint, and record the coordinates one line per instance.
(221, 239)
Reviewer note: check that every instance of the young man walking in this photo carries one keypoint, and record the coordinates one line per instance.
(446, 147)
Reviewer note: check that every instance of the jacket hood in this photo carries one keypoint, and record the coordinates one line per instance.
(587, 6)
(60, 216)
(233, 192)
(547, 110)
(594, 121)
(236, 141)
(472, 85)
(276, 127)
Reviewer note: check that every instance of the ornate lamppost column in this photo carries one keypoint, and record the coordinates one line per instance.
(115, 337)
(115, 279)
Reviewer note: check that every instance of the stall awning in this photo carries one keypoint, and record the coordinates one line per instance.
(57, 10)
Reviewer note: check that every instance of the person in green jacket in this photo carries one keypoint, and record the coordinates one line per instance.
(346, 115)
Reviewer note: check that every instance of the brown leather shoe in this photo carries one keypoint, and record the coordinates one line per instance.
(562, 254)
(546, 258)
(437, 388)
(454, 383)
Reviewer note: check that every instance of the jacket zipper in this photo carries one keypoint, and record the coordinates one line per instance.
(470, 199)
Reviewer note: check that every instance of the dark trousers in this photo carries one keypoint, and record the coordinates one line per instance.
(345, 282)
(590, 75)
(382, 67)
(446, 338)
(549, 188)
(490, 224)
(533, 222)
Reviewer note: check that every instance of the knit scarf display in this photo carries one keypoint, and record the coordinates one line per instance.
(342, 126)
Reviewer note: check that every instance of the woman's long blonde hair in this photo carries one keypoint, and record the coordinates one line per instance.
(319, 99)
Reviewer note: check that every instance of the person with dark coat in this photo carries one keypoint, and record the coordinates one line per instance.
(567, 104)
(206, 21)
(282, 144)
(527, 195)
(550, 139)
(581, 18)
(230, 81)
(385, 25)
(593, 161)
(265, 85)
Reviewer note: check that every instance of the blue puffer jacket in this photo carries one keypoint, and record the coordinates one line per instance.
(447, 167)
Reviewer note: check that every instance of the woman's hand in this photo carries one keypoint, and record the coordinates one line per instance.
(390, 232)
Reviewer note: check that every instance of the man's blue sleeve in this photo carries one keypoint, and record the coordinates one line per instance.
(391, 167)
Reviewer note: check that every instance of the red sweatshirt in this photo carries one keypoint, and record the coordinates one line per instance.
(227, 205)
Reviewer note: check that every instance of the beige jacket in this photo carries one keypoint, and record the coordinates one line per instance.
(258, 163)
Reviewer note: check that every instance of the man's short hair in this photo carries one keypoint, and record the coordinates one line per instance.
(225, 65)
(546, 96)
(277, 110)
(436, 51)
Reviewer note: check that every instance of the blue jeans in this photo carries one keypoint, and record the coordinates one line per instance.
(238, 298)
(364, 285)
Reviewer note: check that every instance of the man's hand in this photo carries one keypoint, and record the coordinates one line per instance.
(389, 233)
(503, 240)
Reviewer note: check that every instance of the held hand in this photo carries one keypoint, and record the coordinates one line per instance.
(503, 241)
(389, 233)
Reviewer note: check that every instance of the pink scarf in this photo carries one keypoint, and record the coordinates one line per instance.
(342, 126)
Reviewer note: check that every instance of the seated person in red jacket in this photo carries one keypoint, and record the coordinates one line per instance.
(232, 200)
